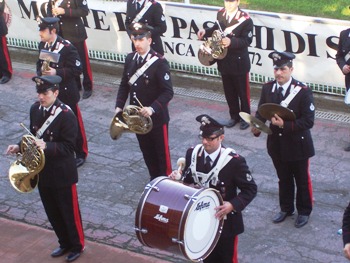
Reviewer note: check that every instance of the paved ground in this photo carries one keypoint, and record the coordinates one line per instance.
(114, 176)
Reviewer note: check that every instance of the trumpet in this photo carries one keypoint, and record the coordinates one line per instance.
(24, 172)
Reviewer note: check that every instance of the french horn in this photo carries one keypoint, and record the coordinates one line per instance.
(24, 172)
(129, 120)
(212, 49)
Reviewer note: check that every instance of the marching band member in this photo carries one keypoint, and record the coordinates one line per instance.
(237, 29)
(146, 78)
(68, 67)
(5, 60)
(343, 61)
(72, 28)
(290, 145)
(56, 127)
(148, 12)
(210, 164)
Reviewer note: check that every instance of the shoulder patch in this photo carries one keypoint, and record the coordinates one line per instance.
(312, 107)
(249, 177)
(166, 76)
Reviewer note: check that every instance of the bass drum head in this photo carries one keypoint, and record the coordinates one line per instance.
(202, 230)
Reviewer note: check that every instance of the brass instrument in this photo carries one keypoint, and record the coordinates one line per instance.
(46, 65)
(212, 49)
(24, 172)
(130, 120)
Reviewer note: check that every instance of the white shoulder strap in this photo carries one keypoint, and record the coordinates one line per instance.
(142, 12)
(47, 123)
(141, 70)
(292, 94)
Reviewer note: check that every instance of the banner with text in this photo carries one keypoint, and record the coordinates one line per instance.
(313, 40)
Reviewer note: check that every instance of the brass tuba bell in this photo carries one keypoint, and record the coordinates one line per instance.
(130, 120)
(24, 172)
(212, 49)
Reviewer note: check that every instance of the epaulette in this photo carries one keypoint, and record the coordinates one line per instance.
(222, 10)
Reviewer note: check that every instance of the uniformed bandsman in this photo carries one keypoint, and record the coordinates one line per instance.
(290, 145)
(146, 78)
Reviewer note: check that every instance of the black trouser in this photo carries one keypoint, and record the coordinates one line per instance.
(225, 251)
(155, 149)
(62, 209)
(84, 58)
(237, 93)
(81, 146)
(291, 174)
(5, 60)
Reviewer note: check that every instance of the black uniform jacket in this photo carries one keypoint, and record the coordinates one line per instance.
(154, 17)
(346, 225)
(343, 48)
(60, 167)
(153, 88)
(3, 26)
(293, 142)
(68, 67)
(235, 175)
(237, 60)
(71, 23)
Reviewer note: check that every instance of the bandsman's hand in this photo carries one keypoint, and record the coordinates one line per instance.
(223, 210)
(277, 120)
(175, 175)
(256, 132)
(346, 251)
(226, 41)
(117, 110)
(13, 148)
(146, 111)
(346, 69)
(40, 144)
(200, 34)
(56, 11)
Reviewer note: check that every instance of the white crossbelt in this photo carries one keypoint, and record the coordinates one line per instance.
(141, 70)
(47, 123)
(142, 12)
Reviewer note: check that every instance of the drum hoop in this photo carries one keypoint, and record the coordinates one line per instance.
(141, 205)
(182, 226)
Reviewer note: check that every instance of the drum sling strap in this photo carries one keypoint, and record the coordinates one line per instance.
(212, 176)
(47, 123)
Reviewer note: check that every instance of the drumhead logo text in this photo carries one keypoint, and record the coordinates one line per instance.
(162, 219)
(202, 205)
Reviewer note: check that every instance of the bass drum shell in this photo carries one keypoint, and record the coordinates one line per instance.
(178, 218)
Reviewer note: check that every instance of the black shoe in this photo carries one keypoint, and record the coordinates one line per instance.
(347, 148)
(281, 216)
(87, 94)
(301, 221)
(4, 80)
(231, 123)
(243, 125)
(59, 252)
(79, 161)
(72, 256)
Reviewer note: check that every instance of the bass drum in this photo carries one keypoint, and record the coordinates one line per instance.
(178, 218)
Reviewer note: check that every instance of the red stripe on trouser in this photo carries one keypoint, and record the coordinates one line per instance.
(77, 217)
(166, 150)
(87, 63)
(309, 182)
(82, 130)
(247, 86)
(235, 250)
(7, 54)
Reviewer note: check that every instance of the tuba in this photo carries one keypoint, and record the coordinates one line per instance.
(129, 120)
(24, 172)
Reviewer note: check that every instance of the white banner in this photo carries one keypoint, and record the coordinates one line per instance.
(313, 40)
